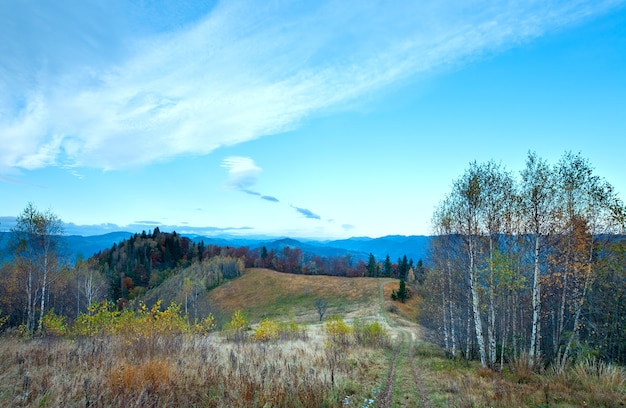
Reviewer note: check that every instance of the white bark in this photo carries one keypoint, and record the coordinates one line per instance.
(478, 325)
(535, 336)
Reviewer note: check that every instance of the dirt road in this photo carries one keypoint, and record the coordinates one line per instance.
(404, 386)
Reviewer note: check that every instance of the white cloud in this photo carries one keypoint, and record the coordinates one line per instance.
(244, 71)
(242, 171)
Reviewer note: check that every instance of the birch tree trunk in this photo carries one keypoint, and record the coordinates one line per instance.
(533, 351)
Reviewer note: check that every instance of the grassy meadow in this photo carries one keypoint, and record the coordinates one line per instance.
(368, 352)
(262, 293)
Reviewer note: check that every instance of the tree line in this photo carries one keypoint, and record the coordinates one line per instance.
(37, 278)
(529, 267)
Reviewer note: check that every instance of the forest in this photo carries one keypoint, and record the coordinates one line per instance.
(148, 266)
(529, 268)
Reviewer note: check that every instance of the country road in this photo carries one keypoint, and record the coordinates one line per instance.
(404, 386)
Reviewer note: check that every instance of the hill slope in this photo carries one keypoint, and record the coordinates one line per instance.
(262, 293)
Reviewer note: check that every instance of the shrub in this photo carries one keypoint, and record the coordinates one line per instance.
(236, 329)
(370, 334)
(205, 325)
(338, 331)
(168, 321)
(291, 331)
(53, 324)
(402, 294)
(106, 319)
(268, 330)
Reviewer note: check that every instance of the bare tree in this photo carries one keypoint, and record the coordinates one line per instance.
(321, 306)
(91, 285)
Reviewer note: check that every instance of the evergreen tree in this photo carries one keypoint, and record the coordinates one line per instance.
(403, 268)
(372, 267)
(264, 257)
(387, 267)
(402, 294)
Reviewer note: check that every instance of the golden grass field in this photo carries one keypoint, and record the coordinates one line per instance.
(310, 370)
(261, 293)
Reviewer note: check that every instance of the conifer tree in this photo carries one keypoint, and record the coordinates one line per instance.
(387, 267)
(372, 267)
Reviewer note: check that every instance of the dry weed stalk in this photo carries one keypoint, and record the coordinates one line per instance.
(176, 370)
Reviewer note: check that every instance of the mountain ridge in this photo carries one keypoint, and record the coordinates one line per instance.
(396, 246)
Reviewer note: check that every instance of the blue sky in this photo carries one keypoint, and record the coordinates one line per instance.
(323, 119)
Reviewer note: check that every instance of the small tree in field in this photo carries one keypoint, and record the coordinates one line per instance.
(402, 294)
(321, 306)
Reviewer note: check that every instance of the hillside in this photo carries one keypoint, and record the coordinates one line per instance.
(261, 293)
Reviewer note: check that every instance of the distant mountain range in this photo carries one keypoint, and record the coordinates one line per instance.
(396, 246)
(415, 247)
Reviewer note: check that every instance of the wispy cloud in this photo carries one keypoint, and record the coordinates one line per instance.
(306, 213)
(243, 173)
(243, 71)
(270, 198)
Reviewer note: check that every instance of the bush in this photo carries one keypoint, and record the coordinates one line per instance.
(370, 334)
(291, 331)
(268, 330)
(205, 325)
(338, 332)
(54, 325)
(106, 319)
(236, 329)
(101, 318)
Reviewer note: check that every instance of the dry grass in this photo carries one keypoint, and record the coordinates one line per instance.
(192, 370)
(201, 371)
(262, 293)
(408, 310)
(465, 384)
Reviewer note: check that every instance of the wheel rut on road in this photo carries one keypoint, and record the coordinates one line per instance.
(403, 359)
(419, 381)
(385, 398)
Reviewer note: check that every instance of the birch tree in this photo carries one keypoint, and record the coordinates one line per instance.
(467, 199)
(537, 193)
(589, 211)
(91, 286)
(442, 252)
(37, 239)
(523, 256)
(498, 197)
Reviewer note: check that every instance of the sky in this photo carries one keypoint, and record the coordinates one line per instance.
(324, 119)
